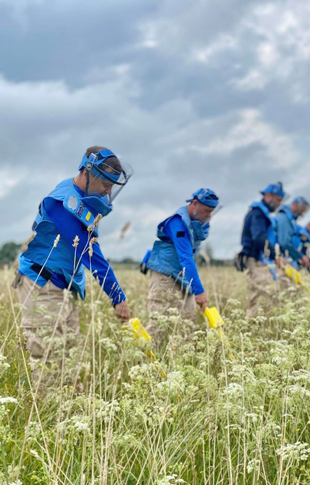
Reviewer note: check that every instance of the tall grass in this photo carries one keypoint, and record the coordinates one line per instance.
(210, 422)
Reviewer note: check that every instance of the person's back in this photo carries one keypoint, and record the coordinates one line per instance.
(254, 233)
(289, 236)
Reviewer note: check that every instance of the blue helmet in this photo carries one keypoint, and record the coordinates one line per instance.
(91, 164)
(100, 166)
(206, 197)
(276, 189)
(301, 201)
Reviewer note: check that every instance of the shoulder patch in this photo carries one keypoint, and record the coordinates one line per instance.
(72, 202)
(181, 234)
(80, 209)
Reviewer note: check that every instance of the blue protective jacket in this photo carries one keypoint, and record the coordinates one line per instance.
(66, 211)
(174, 253)
(259, 226)
(288, 231)
(304, 239)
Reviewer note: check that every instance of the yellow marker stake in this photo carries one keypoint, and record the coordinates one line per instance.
(295, 276)
(215, 321)
(138, 331)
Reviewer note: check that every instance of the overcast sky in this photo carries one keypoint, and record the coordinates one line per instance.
(190, 93)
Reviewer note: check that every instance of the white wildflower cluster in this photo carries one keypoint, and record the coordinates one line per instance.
(174, 384)
(79, 423)
(141, 372)
(252, 417)
(301, 375)
(298, 390)
(242, 373)
(296, 451)
(253, 465)
(3, 364)
(108, 344)
(233, 389)
(171, 480)
(107, 410)
(33, 429)
(8, 400)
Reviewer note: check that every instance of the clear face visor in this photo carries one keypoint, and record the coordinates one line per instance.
(106, 177)
(216, 210)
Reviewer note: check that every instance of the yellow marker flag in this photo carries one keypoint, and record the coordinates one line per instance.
(295, 276)
(138, 331)
(215, 320)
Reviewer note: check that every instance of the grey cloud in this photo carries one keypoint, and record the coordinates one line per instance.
(170, 87)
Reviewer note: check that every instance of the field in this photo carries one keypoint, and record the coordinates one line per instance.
(210, 421)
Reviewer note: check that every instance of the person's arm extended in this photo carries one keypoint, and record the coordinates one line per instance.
(285, 236)
(178, 234)
(69, 227)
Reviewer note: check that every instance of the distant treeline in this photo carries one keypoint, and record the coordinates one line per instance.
(9, 252)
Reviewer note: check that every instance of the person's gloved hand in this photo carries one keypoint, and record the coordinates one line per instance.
(202, 300)
(122, 311)
(305, 261)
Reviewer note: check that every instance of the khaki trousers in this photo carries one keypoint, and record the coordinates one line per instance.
(164, 294)
(261, 284)
(50, 324)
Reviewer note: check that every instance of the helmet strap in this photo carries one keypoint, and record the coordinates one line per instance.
(87, 183)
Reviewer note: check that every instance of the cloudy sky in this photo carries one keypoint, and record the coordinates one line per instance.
(190, 93)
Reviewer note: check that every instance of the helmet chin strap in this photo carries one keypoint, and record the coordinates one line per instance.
(87, 183)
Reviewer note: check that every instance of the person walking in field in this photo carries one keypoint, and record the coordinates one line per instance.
(305, 239)
(290, 233)
(174, 280)
(258, 245)
(51, 270)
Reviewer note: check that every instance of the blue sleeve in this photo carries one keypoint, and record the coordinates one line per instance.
(285, 233)
(69, 227)
(184, 249)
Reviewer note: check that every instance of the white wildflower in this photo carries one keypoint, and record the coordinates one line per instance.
(8, 400)
(296, 451)
(81, 426)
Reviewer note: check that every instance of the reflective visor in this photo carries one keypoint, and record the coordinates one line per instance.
(108, 174)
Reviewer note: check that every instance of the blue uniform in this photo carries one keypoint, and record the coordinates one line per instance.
(289, 233)
(66, 211)
(258, 227)
(174, 253)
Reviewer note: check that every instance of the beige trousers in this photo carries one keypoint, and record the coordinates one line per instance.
(50, 324)
(165, 293)
(261, 284)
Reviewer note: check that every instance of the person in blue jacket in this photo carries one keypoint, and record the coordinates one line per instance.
(258, 244)
(305, 239)
(289, 234)
(51, 269)
(174, 280)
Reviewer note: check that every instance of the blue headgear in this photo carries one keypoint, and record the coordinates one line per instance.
(301, 201)
(276, 189)
(206, 197)
(91, 164)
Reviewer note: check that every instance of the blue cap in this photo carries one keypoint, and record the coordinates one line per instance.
(206, 197)
(276, 189)
(301, 201)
